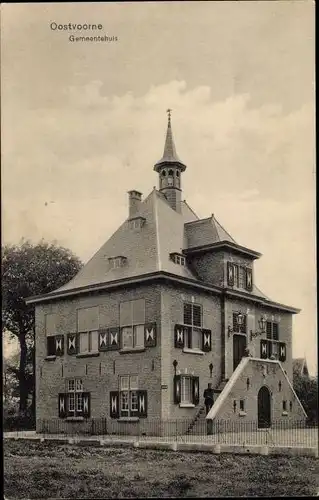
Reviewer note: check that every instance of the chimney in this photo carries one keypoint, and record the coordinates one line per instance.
(134, 202)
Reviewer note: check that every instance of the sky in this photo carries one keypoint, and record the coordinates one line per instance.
(84, 122)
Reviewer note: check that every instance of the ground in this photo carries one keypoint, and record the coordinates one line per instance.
(36, 470)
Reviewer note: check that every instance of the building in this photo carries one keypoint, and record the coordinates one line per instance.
(166, 306)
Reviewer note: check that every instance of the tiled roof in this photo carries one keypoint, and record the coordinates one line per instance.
(146, 249)
(206, 231)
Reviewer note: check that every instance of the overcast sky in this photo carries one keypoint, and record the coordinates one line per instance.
(82, 123)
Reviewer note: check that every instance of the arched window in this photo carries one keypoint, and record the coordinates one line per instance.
(171, 173)
(163, 173)
(177, 173)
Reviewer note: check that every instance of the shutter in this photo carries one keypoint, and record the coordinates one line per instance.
(275, 332)
(243, 327)
(188, 331)
(230, 274)
(62, 405)
(103, 340)
(195, 388)
(59, 345)
(268, 329)
(187, 314)
(269, 348)
(150, 335)
(263, 349)
(72, 341)
(207, 340)
(177, 389)
(179, 336)
(142, 403)
(86, 404)
(114, 404)
(249, 279)
(51, 345)
(113, 339)
(282, 351)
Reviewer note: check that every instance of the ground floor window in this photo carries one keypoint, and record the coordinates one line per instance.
(186, 390)
(128, 395)
(74, 402)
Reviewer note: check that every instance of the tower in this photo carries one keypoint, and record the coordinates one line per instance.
(169, 169)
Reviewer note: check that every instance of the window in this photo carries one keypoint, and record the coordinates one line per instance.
(193, 318)
(132, 321)
(239, 328)
(116, 262)
(186, 389)
(239, 276)
(136, 223)
(284, 405)
(75, 396)
(51, 345)
(242, 405)
(88, 342)
(272, 330)
(128, 395)
(178, 259)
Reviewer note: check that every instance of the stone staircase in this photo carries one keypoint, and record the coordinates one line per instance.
(197, 425)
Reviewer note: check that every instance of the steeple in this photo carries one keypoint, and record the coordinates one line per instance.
(169, 169)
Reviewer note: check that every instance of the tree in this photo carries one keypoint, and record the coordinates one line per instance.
(306, 388)
(28, 270)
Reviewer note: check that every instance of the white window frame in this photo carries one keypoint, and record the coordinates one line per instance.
(184, 396)
(89, 334)
(75, 395)
(128, 395)
(194, 328)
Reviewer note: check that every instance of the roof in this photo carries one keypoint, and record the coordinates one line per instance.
(163, 233)
(299, 366)
(206, 231)
(169, 154)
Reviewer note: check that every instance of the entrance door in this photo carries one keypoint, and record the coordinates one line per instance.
(264, 408)
(239, 346)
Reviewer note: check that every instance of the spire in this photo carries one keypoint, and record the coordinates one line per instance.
(169, 155)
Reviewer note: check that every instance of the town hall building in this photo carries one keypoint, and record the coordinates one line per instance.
(168, 305)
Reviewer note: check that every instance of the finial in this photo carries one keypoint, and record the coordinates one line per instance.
(169, 112)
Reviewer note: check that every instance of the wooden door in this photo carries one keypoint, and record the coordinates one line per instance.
(239, 346)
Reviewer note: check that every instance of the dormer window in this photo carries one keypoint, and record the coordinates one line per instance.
(136, 223)
(178, 259)
(118, 261)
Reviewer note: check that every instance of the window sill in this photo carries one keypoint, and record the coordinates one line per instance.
(128, 419)
(50, 358)
(92, 354)
(128, 351)
(242, 414)
(284, 414)
(193, 351)
(186, 405)
(74, 419)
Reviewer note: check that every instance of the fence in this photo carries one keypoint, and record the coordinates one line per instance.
(281, 433)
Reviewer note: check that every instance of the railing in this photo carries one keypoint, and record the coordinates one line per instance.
(281, 433)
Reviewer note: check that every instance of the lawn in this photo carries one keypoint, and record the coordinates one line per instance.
(34, 470)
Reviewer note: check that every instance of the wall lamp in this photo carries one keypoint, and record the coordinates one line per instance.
(262, 328)
(240, 322)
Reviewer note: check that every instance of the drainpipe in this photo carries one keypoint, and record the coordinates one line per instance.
(223, 343)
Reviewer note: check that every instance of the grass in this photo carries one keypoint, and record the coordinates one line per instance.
(49, 470)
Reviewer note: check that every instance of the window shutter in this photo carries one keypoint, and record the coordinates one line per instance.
(249, 279)
(150, 335)
(72, 346)
(51, 350)
(275, 332)
(62, 405)
(103, 340)
(207, 340)
(243, 327)
(179, 336)
(282, 351)
(235, 323)
(59, 345)
(86, 404)
(268, 329)
(195, 387)
(114, 404)
(269, 348)
(142, 403)
(177, 389)
(187, 314)
(230, 274)
(263, 349)
(197, 315)
(113, 339)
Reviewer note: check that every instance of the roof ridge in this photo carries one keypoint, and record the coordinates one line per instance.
(222, 227)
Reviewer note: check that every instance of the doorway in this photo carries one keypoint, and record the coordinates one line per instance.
(239, 346)
(264, 408)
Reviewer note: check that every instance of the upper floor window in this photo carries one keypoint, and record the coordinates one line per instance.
(87, 327)
(272, 330)
(239, 276)
(193, 318)
(136, 223)
(116, 262)
(132, 321)
(178, 259)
